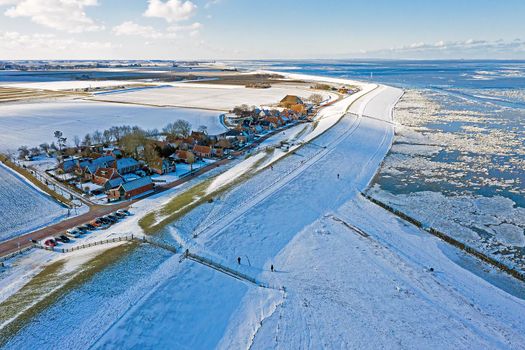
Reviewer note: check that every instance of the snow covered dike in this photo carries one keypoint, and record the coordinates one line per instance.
(355, 276)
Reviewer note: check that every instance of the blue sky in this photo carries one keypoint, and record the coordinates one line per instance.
(249, 29)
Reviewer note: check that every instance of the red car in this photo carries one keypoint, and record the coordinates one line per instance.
(50, 242)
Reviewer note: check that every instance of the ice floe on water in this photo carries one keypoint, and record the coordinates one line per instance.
(458, 165)
(493, 224)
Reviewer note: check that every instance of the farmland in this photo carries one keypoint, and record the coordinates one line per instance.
(210, 96)
(24, 208)
(33, 123)
(14, 94)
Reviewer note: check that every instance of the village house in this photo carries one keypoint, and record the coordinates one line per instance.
(202, 151)
(300, 109)
(218, 152)
(199, 136)
(290, 100)
(87, 168)
(131, 189)
(185, 156)
(126, 165)
(162, 166)
(113, 183)
(68, 165)
(102, 175)
(114, 152)
(224, 143)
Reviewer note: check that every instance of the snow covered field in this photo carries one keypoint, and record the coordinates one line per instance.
(71, 84)
(24, 208)
(342, 289)
(354, 275)
(34, 123)
(215, 97)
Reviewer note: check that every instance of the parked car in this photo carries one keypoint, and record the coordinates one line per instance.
(96, 223)
(113, 217)
(73, 232)
(110, 219)
(63, 238)
(104, 221)
(119, 215)
(124, 211)
(49, 242)
(90, 227)
(82, 229)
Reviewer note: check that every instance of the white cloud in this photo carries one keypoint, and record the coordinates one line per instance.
(193, 29)
(190, 27)
(470, 48)
(211, 3)
(64, 15)
(466, 45)
(171, 10)
(130, 28)
(16, 41)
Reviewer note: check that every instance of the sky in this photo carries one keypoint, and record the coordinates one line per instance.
(254, 29)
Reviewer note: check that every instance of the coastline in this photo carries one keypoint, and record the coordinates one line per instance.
(351, 133)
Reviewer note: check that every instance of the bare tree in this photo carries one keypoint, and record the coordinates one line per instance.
(61, 140)
(45, 147)
(97, 137)
(23, 152)
(115, 133)
(203, 129)
(107, 136)
(133, 141)
(35, 151)
(87, 140)
(316, 98)
(76, 141)
(179, 128)
(190, 159)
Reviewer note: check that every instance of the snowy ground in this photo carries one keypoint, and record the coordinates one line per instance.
(71, 84)
(24, 208)
(342, 290)
(354, 275)
(34, 123)
(215, 97)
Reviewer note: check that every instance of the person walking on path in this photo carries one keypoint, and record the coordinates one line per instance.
(271, 267)
(337, 176)
(239, 260)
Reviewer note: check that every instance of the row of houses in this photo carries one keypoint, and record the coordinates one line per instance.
(107, 171)
(256, 121)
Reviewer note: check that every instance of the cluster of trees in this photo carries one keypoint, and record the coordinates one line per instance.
(131, 139)
(320, 86)
(316, 98)
(248, 111)
(112, 135)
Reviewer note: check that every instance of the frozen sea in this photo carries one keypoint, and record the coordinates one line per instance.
(458, 159)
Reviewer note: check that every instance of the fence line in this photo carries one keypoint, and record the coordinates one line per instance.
(221, 268)
(13, 254)
(128, 238)
(443, 236)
